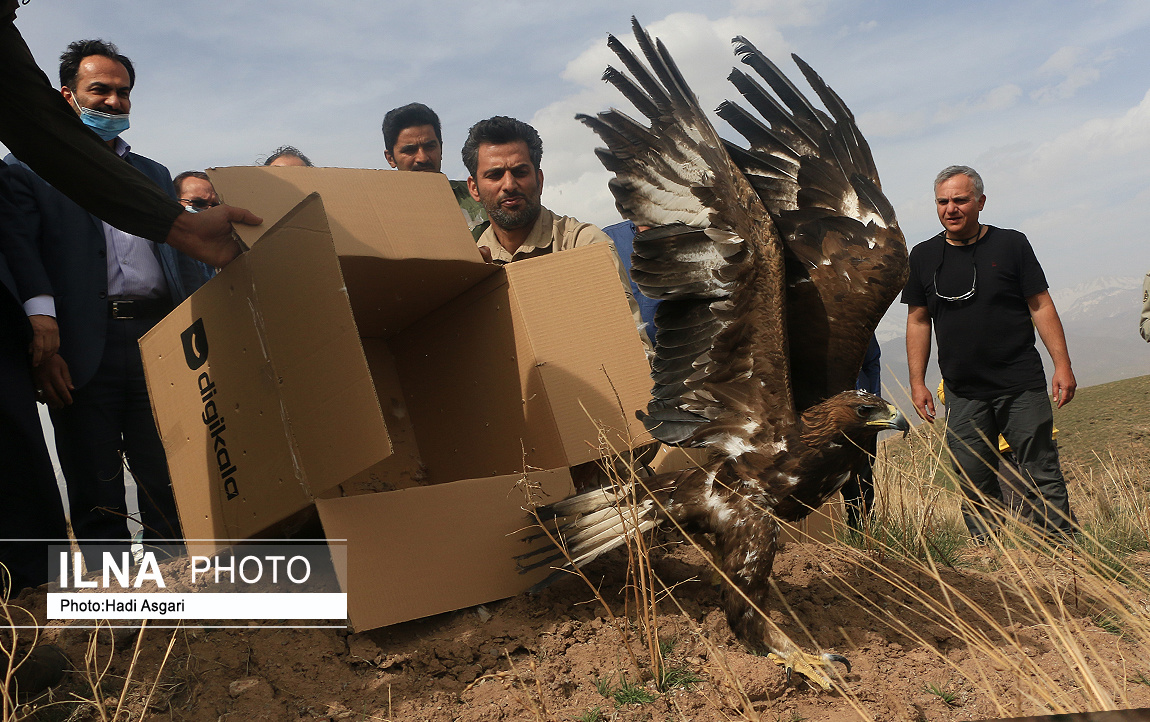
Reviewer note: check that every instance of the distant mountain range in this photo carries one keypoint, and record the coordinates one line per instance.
(1101, 322)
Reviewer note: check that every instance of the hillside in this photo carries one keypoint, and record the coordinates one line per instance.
(1104, 418)
(1113, 417)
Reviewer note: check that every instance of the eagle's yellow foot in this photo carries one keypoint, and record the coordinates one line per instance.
(813, 667)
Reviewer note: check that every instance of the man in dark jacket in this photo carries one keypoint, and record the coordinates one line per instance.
(106, 288)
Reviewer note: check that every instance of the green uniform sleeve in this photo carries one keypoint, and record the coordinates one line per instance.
(44, 132)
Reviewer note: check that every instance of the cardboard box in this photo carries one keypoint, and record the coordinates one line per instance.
(244, 391)
(365, 322)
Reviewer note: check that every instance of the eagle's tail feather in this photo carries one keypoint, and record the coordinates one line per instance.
(587, 526)
(584, 503)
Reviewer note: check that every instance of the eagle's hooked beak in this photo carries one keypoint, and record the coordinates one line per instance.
(893, 420)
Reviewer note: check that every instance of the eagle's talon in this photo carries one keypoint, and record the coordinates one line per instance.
(828, 658)
(814, 667)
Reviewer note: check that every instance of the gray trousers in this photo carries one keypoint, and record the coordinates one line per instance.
(1026, 420)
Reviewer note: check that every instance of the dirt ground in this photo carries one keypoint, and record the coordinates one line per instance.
(554, 656)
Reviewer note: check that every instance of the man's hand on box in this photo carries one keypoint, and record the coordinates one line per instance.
(486, 253)
(207, 236)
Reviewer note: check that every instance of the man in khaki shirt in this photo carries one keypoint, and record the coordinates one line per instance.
(502, 155)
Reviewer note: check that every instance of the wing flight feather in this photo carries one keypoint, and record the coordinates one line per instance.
(714, 258)
(845, 254)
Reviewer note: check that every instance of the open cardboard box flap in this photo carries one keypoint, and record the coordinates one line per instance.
(405, 227)
(525, 369)
(245, 391)
(431, 549)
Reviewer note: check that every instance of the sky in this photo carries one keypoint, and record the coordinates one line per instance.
(1047, 99)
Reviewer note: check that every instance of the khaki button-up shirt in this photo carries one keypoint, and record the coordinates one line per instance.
(561, 233)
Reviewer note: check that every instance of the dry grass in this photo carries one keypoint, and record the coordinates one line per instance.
(107, 696)
(1063, 591)
(917, 543)
(12, 617)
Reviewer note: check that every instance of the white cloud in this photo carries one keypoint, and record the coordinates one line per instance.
(1078, 195)
(575, 182)
(995, 99)
(889, 124)
(783, 12)
(1098, 144)
(1064, 60)
(1068, 64)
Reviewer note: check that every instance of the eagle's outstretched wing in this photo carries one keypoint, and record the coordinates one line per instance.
(721, 366)
(845, 255)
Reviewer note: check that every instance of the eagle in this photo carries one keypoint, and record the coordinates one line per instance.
(774, 263)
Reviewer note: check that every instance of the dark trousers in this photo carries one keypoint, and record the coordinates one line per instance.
(858, 491)
(110, 420)
(1026, 420)
(31, 513)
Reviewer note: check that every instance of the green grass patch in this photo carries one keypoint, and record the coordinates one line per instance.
(630, 693)
(904, 537)
(604, 687)
(1108, 622)
(677, 677)
(595, 714)
(948, 696)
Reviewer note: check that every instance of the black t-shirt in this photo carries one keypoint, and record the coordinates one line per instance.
(985, 341)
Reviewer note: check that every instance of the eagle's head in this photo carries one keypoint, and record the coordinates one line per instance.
(856, 415)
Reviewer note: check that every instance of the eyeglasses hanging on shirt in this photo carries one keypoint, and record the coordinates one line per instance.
(951, 275)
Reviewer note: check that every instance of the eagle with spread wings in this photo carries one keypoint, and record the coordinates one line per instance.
(774, 263)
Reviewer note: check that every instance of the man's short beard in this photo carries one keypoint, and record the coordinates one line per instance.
(511, 220)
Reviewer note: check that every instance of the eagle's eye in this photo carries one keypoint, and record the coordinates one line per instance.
(864, 410)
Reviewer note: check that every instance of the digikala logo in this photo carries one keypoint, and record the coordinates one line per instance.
(195, 344)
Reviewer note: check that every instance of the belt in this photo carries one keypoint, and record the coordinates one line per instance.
(146, 308)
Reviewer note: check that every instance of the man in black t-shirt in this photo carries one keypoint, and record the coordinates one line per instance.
(984, 292)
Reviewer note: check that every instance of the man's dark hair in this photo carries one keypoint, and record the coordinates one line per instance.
(189, 174)
(71, 58)
(500, 130)
(289, 150)
(407, 116)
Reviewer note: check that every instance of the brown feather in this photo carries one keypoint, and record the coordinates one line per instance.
(777, 262)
